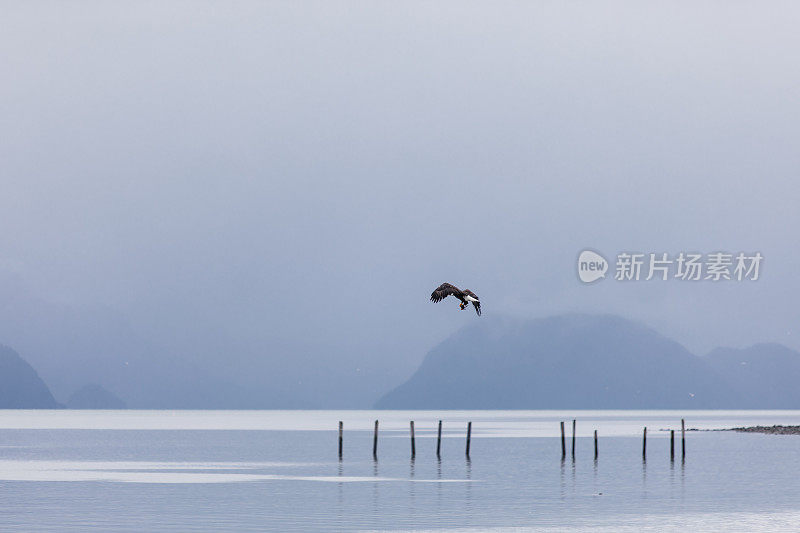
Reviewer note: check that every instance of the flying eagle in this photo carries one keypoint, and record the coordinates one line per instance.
(466, 296)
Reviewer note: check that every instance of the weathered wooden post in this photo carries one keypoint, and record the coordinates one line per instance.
(341, 428)
(683, 439)
(595, 444)
(439, 441)
(375, 442)
(413, 447)
(671, 444)
(573, 438)
(644, 443)
(469, 435)
(563, 442)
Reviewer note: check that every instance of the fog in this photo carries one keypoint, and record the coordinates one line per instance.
(203, 182)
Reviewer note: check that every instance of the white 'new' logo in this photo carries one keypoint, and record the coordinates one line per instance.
(591, 266)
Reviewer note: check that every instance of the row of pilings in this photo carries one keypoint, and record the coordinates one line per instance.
(563, 441)
(644, 442)
(413, 439)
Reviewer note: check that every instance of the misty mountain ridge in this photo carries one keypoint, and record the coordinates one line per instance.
(94, 396)
(573, 361)
(767, 374)
(70, 346)
(579, 361)
(20, 385)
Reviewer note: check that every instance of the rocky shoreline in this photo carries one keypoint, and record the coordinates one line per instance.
(771, 430)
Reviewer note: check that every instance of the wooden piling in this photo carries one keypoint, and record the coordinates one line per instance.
(671, 444)
(644, 443)
(563, 442)
(683, 439)
(573, 438)
(595, 444)
(341, 429)
(439, 441)
(375, 442)
(413, 447)
(469, 435)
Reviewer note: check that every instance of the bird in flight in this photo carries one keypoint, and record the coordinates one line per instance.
(466, 296)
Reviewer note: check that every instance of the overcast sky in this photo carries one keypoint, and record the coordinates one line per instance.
(310, 171)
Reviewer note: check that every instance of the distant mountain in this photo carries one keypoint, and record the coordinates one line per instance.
(766, 376)
(563, 362)
(94, 396)
(70, 346)
(20, 385)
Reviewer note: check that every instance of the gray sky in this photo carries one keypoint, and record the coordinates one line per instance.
(310, 171)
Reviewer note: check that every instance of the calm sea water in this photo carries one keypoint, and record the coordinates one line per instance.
(279, 470)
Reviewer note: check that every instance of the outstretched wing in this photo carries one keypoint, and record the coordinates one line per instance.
(444, 290)
(476, 302)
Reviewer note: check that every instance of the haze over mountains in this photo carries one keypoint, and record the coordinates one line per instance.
(20, 385)
(257, 219)
(71, 347)
(94, 396)
(765, 374)
(250, 208)
(592, 362)
(562, 362)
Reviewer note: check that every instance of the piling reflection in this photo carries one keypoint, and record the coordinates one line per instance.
(572, 471)
(644, 476)
(439, 485)
(672, 473)
(375, 486)
(469, 485)
(683, 477)
(340, 493)
(412, 490)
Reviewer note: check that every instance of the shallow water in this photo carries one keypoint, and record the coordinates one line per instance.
(279, 470)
